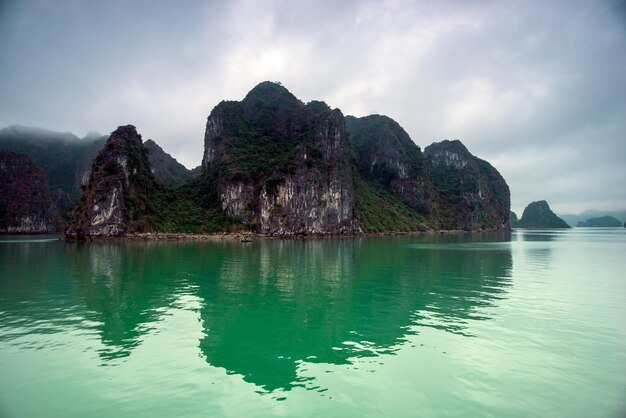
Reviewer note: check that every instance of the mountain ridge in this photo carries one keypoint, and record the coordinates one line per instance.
(273, 164)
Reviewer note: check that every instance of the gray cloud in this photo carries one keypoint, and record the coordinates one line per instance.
(536, 88)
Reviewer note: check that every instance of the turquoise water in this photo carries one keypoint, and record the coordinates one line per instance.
(529, 323)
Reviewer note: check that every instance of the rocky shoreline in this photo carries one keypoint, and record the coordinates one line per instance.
(247, 236)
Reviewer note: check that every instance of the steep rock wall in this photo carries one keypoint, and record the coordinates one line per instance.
(114, 196)
(281, 166)
(385, 154)
(470, 194)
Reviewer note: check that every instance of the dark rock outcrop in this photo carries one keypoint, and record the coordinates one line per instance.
(165, 167)
(123, 197)
(25, 202)
(448, 186)
(470, 194)
(385, 154)
(514, 221)
(600, 222)
(539, 215)
(115, 196)
(280, 166)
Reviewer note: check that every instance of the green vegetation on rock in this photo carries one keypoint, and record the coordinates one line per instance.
(276, 165)
(381, 211)
(539, 215)
(123, 196)
(165, 167)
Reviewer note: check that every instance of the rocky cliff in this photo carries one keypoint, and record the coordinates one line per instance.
(539, 215)
(114, 199)
(446, 186)
(25, 202)
(386, 155)
(273, 164)
(470, 194)
(122, 196)
(281, 166)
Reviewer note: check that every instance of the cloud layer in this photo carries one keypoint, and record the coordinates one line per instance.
(536, 88)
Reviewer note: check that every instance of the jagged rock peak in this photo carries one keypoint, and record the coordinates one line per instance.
(539, 215)
(318, 106)
(448, 153)
(280, 166)
(124, 136)
(383, 147)
(471, 193)
(120, 174)
(269, 92)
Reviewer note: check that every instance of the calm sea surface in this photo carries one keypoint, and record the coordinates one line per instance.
(531, 323)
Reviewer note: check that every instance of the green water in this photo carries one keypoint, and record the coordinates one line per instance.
(525, 324)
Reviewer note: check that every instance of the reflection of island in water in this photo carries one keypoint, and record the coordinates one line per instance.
(123, 286)
(330, 301)
(271, 304)
(536, 245)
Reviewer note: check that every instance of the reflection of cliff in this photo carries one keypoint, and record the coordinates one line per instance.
(277, 303)
(466, 275)
(123, 287)
(265, 306)
(25, 286)
(536, 251)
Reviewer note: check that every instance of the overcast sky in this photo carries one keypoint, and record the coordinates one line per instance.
(537, 88)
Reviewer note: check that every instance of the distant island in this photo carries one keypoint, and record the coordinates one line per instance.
(538, 215)
(274, 165)
(600, 222)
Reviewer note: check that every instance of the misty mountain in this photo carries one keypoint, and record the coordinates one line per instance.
(56, 153)
(573, 220)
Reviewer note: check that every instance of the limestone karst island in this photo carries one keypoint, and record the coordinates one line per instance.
(272, 165)
(312, 209)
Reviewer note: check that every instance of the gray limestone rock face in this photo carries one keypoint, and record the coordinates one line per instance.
(119, 172)
(309, 190)
(387, 155)
(312, 200)
(470, 193)
(107, 212)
